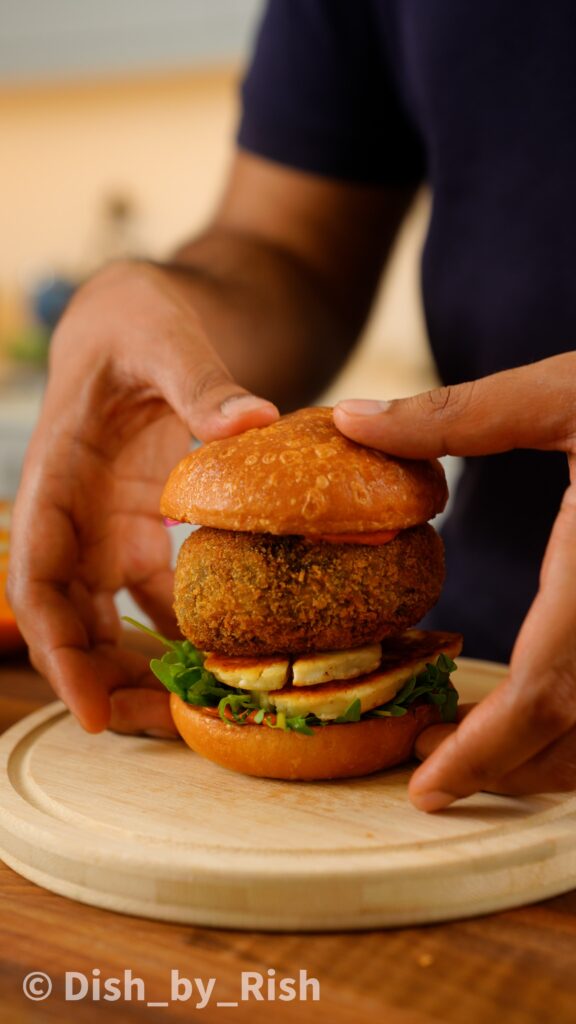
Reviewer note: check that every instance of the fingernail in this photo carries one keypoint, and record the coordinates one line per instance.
(363, 406)
(435, 800)
(160, 734)
(236, 405)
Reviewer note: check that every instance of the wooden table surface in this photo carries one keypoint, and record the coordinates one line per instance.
(517, 967)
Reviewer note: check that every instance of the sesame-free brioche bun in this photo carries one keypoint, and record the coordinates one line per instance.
(300, 475)
(333, 752)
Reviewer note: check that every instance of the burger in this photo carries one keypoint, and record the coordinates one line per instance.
(312, 559)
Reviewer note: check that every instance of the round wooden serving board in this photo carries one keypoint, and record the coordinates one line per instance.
(146, 827)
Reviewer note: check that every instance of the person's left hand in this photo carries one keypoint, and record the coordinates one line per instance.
(522, 738)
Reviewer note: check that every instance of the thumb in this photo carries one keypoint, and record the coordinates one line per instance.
(528, 407)
(196, 384)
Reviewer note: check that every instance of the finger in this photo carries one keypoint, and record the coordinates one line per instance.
(154, 595)
(41, 558)
(196, 384)
(74, 675)
(191, 376)
(142, 711)
(101, 671)
(431, 738)
(528, 407)
(81, 674)
(98, 613)
(551, 771)
(160, 350)
(44, 553)
(535, 705)
(505, 731)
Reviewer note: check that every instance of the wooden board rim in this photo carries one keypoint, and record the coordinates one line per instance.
(546, 848)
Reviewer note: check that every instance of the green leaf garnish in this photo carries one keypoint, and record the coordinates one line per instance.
(181, 670)
(302, 724)
(389, 710)
(432, 684)
(352, 713)
(241, 705)
(151, 632)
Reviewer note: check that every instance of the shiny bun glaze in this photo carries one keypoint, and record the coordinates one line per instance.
(302, 476)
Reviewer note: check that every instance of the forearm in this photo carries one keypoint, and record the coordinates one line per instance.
(273, 294)
(274, 321)
(283, 278)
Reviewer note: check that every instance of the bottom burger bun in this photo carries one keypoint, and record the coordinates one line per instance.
(333, 752)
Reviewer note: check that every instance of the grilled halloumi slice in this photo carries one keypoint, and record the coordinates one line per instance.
(273, 673)
(249, 673)
(329, 700)
(322, 668)
(402, 658)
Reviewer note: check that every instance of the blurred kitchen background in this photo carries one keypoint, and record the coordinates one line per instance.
(117, 120)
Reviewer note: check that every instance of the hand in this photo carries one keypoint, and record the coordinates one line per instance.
(132, 375)
(522, 737)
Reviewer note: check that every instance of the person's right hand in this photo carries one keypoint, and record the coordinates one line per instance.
(132, 376)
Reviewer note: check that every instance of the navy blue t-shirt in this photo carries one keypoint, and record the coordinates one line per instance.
(478, 99)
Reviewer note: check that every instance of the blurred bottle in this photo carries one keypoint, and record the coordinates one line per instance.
(117, 233)
(49, 298)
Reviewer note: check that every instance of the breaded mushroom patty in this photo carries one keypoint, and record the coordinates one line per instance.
(258, 593)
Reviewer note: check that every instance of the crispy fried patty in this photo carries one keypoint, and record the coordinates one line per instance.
(256, 593)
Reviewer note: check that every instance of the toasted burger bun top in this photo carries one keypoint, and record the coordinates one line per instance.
(302, 476)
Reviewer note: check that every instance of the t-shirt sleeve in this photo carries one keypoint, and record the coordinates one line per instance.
(319, 95)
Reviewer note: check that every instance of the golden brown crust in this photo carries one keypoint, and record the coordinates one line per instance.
(333, 752)
(302, 476)
(256, 594)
